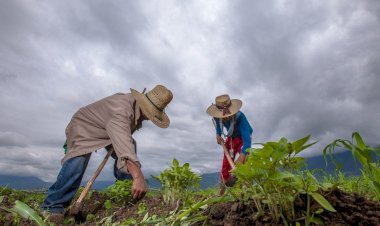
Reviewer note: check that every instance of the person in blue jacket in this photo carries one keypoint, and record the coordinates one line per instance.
(231, 123)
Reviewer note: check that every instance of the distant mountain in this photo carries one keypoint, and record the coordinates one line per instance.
(22, 182)
(210, 180)
(349, 166)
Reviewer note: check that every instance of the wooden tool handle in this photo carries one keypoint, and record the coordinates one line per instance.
(229, 159)
(91, 181)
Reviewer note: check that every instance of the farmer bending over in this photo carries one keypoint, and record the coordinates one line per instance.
(109, 123)
(226, 114)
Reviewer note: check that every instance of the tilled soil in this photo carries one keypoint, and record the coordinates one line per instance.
(95, 206)
(351, 209)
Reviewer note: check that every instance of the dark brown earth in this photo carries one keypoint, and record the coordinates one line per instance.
(95, 206)
(351, 209)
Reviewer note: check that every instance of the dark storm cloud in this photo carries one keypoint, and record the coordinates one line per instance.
(58, 57)
(299, 68)
(314, 64)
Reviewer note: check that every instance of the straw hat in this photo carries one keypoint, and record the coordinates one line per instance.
(224, 107)
(153, 104)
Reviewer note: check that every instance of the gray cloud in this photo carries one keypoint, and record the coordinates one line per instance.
(310, 61)
(299, 67)
(10, 139)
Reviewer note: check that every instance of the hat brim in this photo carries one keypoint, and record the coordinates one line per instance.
(234, 108)
(159, 118)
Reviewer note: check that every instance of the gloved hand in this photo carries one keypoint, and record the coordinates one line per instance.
(231, 181)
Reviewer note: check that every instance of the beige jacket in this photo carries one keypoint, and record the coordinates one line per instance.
(109, 121)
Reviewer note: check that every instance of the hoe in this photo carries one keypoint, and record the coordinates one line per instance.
(76, 208)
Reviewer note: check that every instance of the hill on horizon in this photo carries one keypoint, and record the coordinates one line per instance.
(349, 166)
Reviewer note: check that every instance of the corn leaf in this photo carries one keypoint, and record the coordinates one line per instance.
(28, 213)
(359, 140)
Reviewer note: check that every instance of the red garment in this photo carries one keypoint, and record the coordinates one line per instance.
(237, 144)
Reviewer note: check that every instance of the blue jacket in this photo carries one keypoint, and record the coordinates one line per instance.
(242, 129)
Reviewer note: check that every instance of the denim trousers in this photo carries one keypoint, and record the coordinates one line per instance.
(61, 193)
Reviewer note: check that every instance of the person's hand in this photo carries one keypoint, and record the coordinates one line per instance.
(241, 158)
(219, 139)
(139, 188)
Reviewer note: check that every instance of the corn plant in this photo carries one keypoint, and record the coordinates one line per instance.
(176, 181)
(23, 210)
(363, 153)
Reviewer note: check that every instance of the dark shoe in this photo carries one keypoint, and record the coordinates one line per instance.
(56, 218)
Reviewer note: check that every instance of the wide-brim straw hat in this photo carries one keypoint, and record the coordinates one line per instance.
(153, 104)
(224, 106)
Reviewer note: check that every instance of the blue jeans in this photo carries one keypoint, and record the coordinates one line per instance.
(68, 181)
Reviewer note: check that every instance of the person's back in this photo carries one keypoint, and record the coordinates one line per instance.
(102, 110)
(93, 126)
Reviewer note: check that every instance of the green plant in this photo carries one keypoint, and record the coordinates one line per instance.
(142, 208)
(269, 175)
(120, 191)
(107, 221)
(184, 216)
(176, 181)
(363, 153)
(23, 210)
(128, 222)
(187, 215)
(272, 178)
(16, 219)
(353, 184)
(310, 187)
(90, 218)
(107, 204)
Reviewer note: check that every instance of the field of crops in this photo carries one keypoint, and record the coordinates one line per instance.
(272, 188)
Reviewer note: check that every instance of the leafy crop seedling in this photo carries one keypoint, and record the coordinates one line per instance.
(176, 181)
(120, 191)
(272, 178)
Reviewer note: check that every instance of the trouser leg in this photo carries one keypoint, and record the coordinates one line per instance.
(61, 193)
(226, 167)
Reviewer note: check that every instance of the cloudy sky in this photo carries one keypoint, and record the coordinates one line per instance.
(300, 67)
